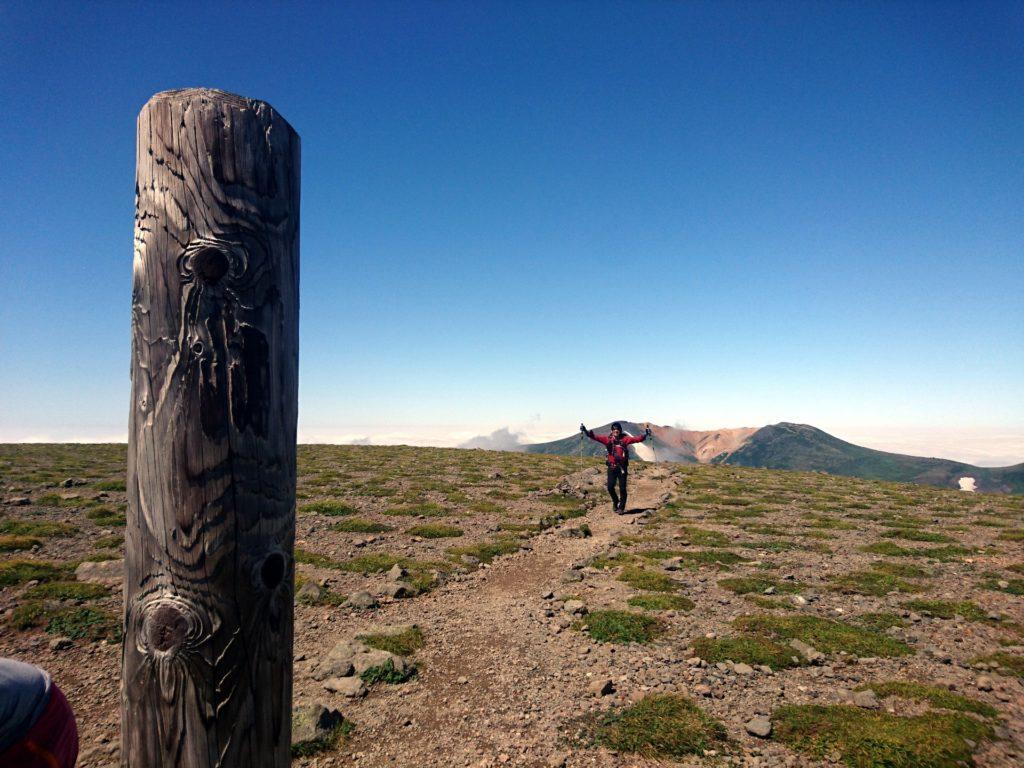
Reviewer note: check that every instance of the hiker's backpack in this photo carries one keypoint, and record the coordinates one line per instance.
(613, 460)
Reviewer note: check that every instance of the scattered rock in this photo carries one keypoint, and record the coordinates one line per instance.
(310, 591)
(109, 573)
(575, 607)
(759, 726)
(805, 650)
(866, 699)
(61, 643)
(313, 722)
(398, 590)
(581, 532)
(601, 687)
(743, 669)
(397, 572)
(363, 600)
(572, 576)
(350, 687)
(18, 501)
(983, 683)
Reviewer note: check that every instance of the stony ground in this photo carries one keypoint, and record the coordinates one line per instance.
(476, 608)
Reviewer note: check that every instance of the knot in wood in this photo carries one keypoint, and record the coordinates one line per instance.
(168, 625)
(209, 261)
(166, 628)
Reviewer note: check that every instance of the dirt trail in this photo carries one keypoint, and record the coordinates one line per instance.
(497, 675)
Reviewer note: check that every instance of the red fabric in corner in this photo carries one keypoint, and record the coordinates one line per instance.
(51, 743)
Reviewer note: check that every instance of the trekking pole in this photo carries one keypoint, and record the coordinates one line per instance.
(653, 449)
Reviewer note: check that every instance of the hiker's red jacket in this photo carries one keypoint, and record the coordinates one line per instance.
(618, 454)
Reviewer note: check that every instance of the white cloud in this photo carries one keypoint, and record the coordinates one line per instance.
(502, 439)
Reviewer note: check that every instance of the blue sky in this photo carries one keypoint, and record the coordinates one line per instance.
(525, 215)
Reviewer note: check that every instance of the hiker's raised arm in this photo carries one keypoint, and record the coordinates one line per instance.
(590, 433)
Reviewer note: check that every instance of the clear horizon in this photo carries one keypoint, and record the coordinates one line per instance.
(522, 216)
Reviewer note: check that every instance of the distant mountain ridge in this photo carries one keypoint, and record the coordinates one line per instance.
(798, 447)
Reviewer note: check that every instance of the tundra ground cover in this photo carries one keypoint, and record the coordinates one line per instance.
(735, 585)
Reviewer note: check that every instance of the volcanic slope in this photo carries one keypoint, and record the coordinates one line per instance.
(803, 448)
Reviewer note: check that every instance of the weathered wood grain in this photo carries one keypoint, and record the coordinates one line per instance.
(207, 659)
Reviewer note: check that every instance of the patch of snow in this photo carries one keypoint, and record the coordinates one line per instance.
(967, 484)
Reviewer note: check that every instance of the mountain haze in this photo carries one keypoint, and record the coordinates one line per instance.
(797, 447)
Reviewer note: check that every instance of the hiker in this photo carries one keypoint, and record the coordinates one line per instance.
(37, 726)
(618, 460)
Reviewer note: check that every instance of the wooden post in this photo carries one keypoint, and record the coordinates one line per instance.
(207, 658)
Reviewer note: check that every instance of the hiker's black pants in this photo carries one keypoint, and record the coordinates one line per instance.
(617, 476)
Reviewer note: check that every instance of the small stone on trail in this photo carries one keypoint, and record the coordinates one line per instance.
(61, 643)
(601, 687)
(549, 595)
(743, 669)
(18, 501)
(397, 572)
(983, 683)
(571, 576)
